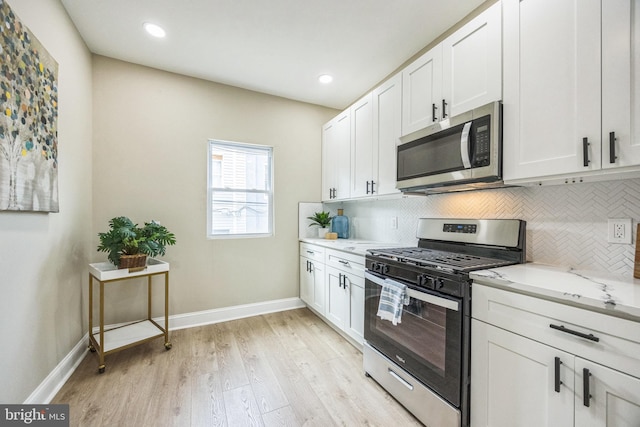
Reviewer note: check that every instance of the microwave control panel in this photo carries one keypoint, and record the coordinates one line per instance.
(481, 142)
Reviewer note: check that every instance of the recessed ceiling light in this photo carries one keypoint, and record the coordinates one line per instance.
(154, 30)
(325, 79)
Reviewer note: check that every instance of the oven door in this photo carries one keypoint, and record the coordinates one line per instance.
(427, 343)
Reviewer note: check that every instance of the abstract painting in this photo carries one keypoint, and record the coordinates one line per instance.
(28, 119)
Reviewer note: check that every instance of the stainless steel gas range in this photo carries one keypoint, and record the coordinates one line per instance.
(424, 360)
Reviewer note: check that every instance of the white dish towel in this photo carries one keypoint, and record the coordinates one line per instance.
(392, 297)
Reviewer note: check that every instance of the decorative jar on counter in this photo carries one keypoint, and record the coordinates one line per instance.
(340, 225)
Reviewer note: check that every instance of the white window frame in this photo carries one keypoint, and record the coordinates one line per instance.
(210, 189)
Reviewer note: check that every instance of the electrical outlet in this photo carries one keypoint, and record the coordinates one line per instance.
(394, 222)
(619, 230)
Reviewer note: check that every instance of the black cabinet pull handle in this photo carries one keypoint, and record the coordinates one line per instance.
(561, 328)
(585, 152)
(612, 147)
(444, 109)
(372, 184)
(367, 187)
(586, 394)
(433, 112)
(557, 381)
(308, 267)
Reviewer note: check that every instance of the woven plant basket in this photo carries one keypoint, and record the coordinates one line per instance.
(138, 261)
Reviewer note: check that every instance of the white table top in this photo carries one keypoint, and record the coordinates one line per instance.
(615, 294)
(104, 271)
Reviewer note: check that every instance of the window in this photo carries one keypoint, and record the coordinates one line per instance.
(240, 187)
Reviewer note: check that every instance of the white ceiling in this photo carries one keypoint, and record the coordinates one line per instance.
(279, 47)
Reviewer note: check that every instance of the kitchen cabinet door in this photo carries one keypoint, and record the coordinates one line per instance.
(364, 153)
(336, 298)
(336, 157)
(306, 281)
(355, 318)
(422, 91)
(387, 122)
(472, 63)
(319, 289)
(615, 397)
(513, 381)
(551, 87)
(312, 284)
(620, 83)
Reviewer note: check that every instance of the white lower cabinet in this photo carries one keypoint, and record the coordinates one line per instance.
(512, 382)
(615, 397)
(312, 277)
(525, 373)
(345, 300)
(332, 284)
(345, 303)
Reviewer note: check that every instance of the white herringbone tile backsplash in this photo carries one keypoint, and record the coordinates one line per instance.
(566, 225)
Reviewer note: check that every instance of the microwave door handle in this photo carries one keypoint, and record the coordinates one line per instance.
(464, 145)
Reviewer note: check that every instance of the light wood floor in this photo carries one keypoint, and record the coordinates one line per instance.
(280, 369)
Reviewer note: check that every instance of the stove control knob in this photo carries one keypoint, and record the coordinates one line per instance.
(438, 283)
(379, 267)
(426, 281)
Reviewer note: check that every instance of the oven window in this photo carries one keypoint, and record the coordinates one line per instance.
(423, 331)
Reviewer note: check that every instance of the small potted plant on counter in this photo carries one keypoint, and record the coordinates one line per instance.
(322, 220)
(128, 245)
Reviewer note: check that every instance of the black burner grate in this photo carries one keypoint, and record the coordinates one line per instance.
(426, 257)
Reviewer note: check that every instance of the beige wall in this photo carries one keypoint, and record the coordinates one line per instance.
(43, 257)
(150, 161)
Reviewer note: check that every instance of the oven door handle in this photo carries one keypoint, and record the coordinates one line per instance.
(422, 296)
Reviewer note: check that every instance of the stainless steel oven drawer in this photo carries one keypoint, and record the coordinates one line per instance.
(423, 403)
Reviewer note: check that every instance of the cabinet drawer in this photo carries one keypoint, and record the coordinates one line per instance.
(346, 262)
(313, 252)
(614, 342)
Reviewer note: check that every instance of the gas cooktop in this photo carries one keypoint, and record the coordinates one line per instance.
(424, 257)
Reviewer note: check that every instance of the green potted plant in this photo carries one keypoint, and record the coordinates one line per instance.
(128, 245)
(322, 220)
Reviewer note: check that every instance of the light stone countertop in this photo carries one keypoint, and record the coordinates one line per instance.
(595, 290)
(354, 246)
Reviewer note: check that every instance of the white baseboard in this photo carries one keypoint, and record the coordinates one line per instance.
(45, 392)
(60, 374)
(207, 317)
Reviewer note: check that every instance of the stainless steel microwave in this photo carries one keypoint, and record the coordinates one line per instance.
(462, 153)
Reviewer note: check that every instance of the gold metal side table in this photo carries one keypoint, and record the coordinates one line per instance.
(116, 338)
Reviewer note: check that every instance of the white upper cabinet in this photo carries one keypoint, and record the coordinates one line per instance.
(336, 158)
(472, 63)
(568, 83)
(364, 153)
(551, 96)
(387, 119)
(620, 83)
(370, 129)
(422, 91)
(459, 74)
